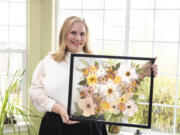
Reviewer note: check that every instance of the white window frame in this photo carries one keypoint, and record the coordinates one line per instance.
(24, 53)
(126, 50)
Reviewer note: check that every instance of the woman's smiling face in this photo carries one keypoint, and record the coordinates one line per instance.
(76, 37)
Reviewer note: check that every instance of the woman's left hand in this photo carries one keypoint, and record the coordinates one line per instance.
(146, 69)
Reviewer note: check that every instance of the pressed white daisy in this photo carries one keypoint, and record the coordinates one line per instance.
(130, 109)
(127, 73)
(111, 92)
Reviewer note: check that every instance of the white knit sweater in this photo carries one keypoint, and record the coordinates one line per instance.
(50, 83)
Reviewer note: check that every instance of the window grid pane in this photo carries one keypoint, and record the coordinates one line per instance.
(154, 30)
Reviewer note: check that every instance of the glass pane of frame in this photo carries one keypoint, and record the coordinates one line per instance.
(108, 89)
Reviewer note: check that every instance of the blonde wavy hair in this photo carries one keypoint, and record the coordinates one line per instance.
(60, 54)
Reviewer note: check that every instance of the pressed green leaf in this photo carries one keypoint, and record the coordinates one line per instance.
(83, 82)
(96, 64)
(135, 97)
(117, 66)
(84, 62)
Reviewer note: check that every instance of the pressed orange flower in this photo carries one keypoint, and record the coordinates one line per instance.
(121, 106)
(105, 105)
(117, 80)
(111, 76)
(91, 79)
(85, 71)
(102, 79)
(82, 94)
(133, 84)
(109, 70)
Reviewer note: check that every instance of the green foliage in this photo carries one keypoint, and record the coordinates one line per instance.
(12, 108)
(163, 93)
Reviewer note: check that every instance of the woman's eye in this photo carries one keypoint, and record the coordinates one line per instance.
(73, 32)
(82, 33)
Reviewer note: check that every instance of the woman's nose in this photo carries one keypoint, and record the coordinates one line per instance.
(78, 37)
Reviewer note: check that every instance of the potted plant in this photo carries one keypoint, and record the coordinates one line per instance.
(10, 108)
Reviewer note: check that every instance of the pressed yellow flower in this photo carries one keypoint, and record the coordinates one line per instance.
(85, 71)
(93, 68)
(117, 80)
(91, 79)
(105, 105)
(122, 99)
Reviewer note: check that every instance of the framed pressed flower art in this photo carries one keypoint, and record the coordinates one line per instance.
(110, 89)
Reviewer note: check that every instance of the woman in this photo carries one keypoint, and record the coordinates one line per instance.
(49, 88)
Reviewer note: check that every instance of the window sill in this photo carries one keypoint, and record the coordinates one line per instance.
(19, 126)
(129, 131)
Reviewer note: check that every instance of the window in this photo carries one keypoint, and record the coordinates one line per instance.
(13, 42)
(144, 28)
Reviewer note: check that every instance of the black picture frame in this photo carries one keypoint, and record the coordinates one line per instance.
(99, 119)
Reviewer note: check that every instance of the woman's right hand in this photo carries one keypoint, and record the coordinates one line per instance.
(59, 109)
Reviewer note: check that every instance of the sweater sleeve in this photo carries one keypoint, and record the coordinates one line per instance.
(41, 101)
